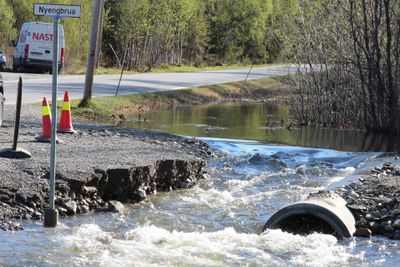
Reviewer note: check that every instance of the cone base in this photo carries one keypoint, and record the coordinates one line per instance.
(70, 131)
(43, 139)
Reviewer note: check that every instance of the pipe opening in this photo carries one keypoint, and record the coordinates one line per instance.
(305, 224)
(324, 212)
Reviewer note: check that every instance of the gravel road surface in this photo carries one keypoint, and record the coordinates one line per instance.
(120, 164)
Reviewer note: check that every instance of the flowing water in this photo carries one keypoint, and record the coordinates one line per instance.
(258, 168)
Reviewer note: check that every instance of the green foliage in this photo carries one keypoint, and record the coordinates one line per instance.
(175, 32)
(7, 32)
(238, 29)
(197, 31)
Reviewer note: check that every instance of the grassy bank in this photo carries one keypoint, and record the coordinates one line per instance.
(116, 108)
(162, 69)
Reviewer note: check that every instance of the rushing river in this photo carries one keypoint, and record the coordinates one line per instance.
(259, 167)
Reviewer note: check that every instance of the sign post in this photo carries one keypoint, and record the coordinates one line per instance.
(56, 12)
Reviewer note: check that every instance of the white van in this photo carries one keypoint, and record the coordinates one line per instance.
(34, 48)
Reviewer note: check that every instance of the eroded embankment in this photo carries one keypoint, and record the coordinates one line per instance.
(94, 166)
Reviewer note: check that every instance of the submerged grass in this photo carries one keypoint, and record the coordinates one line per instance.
(116, 108)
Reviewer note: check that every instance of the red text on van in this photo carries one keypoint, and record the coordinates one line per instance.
(42, 36)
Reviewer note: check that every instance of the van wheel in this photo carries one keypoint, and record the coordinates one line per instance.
(51, 71)
(14, 67)
(20, 69)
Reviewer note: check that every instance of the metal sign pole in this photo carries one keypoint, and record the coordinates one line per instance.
(56, 12)
(51, 214)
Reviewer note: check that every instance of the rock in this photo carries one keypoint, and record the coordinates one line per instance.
(278, 164)
(62, 211)
(363, 232)
(72, 195)
(395, 213)
(89, 190)
(70, 206)
(31, 204)
(62, 187)
(13, 226)
(362, 223)
(376, 214)
(85, 209)
(388, 200)
(100, 202)
(395, 236)
(374, 227)
(389, 229)
(115, 206)
(384, 211)
(357, 207)
(21, 198)
(30, 210)
(37, 199)
(140, 194)
(37, 215)
(256, 159)
(396, 224)
(301, 169)
(157, 142)
(372, 216)
(351, 193)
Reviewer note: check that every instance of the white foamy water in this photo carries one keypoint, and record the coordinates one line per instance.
(216, 223)
(90, 245)
(154, 246)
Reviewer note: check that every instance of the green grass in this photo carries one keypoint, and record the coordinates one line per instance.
(164, 68)
(116, 108)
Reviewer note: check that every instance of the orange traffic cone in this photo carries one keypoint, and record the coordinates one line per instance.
(65, 125)
(46, 120)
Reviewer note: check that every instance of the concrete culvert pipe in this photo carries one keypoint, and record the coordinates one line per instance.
(324, 212)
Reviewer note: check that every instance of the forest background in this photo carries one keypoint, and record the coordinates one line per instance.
(176, 32)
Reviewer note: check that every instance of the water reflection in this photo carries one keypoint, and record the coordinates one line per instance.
(262, 122)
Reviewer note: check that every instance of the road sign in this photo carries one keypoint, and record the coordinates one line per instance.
(55, 10)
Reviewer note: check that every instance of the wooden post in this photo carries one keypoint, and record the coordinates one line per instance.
(100, 33)
(92, 53)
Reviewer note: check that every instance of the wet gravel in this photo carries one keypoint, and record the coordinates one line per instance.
(374, 201)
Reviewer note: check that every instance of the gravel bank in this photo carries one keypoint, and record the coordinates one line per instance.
(374, 201)
(98, 164)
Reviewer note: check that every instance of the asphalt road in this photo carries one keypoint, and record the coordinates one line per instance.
(36, 86)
